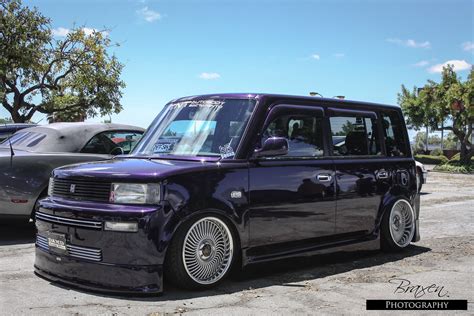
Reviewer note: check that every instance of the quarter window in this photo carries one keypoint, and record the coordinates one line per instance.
(354, 136)
(303, 132)
(395, 143)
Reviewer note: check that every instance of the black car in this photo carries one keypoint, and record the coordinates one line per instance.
(222, 181)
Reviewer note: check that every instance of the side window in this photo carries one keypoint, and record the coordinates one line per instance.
(354, 136)
(107, 142)
(394, 135)
(304, 134)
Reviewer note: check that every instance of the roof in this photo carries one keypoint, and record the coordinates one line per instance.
(331, 101)
(69, 137)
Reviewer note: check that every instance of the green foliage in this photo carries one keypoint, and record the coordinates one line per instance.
(436, 152)
(455, 167)
(70, 77)
(450, 141)
(5, 120)
(457, 158)
(431, 160)
(451, 101)
(419, 145)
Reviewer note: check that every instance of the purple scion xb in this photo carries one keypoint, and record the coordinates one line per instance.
(223, 181)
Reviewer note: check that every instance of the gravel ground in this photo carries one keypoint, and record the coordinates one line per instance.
(330, 284)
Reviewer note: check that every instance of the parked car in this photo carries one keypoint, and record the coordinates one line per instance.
(421, 175)
(225, 181)
(38, 150)
(6, 130)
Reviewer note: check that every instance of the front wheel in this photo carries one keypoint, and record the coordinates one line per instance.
(398, 226)
(200, 254)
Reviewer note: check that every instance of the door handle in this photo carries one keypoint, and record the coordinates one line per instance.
(382, 174)
(324, 177)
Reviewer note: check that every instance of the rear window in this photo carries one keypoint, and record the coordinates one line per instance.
(394, 135)
(24, 139)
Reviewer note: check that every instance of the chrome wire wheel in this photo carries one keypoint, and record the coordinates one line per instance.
(208, 250)
(402, 223)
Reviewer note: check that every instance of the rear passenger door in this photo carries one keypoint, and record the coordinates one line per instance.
(361, 179)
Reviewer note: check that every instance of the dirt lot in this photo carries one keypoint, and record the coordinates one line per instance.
(324, 284)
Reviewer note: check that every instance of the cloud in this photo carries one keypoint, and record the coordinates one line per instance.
(458, 65)
(421, 63)
(60, 32)
(148, 14)
(339, 55)
(315, 56)
(409, 43)
(88, 31)
(63, 32)
(468, 46)
(209, 75)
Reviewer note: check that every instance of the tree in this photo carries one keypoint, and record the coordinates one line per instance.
(70, 77)
(448, 105)
(5, 120)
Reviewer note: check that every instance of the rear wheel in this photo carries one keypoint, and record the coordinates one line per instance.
(200, 254)
(398, 226)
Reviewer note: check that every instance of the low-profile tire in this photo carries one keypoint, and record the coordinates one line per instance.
(201, 253)
(398, 226)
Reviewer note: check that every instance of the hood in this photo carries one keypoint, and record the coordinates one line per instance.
(138, 169)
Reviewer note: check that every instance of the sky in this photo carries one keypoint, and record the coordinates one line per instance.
(364, 50)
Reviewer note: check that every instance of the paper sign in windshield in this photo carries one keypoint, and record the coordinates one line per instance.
(226, 151)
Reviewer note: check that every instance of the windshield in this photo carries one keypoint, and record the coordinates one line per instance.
(197, 128)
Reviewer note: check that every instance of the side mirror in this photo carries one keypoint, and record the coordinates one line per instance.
(116, 151)
(274, 146)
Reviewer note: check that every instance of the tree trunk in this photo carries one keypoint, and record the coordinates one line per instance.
(465, 155)
(426, 141)
(17, 118)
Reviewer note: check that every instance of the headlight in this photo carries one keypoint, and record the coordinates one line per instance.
(121, 226)
(135, 193)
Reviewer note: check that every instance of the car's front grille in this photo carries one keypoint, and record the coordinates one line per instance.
(79, 189)
(68, 221)
(86, 253)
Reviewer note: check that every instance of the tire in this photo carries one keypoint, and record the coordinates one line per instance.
(398, 226)
(201, 253)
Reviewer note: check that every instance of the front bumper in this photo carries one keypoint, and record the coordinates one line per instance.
(123, 279)
(102, 260)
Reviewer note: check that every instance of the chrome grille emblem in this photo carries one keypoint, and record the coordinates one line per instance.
(72, 188)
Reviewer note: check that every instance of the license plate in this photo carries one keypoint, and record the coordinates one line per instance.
(57, 242)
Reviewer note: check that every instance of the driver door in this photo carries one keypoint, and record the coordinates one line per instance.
(292, 197)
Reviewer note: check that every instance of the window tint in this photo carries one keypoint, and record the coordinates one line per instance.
(354, 136)
(395, 143)
(304, 134)
(108, 142)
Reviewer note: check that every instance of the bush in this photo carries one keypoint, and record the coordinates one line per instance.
(456, 157)
(436, 152)
(431, 160)
(455, 167)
